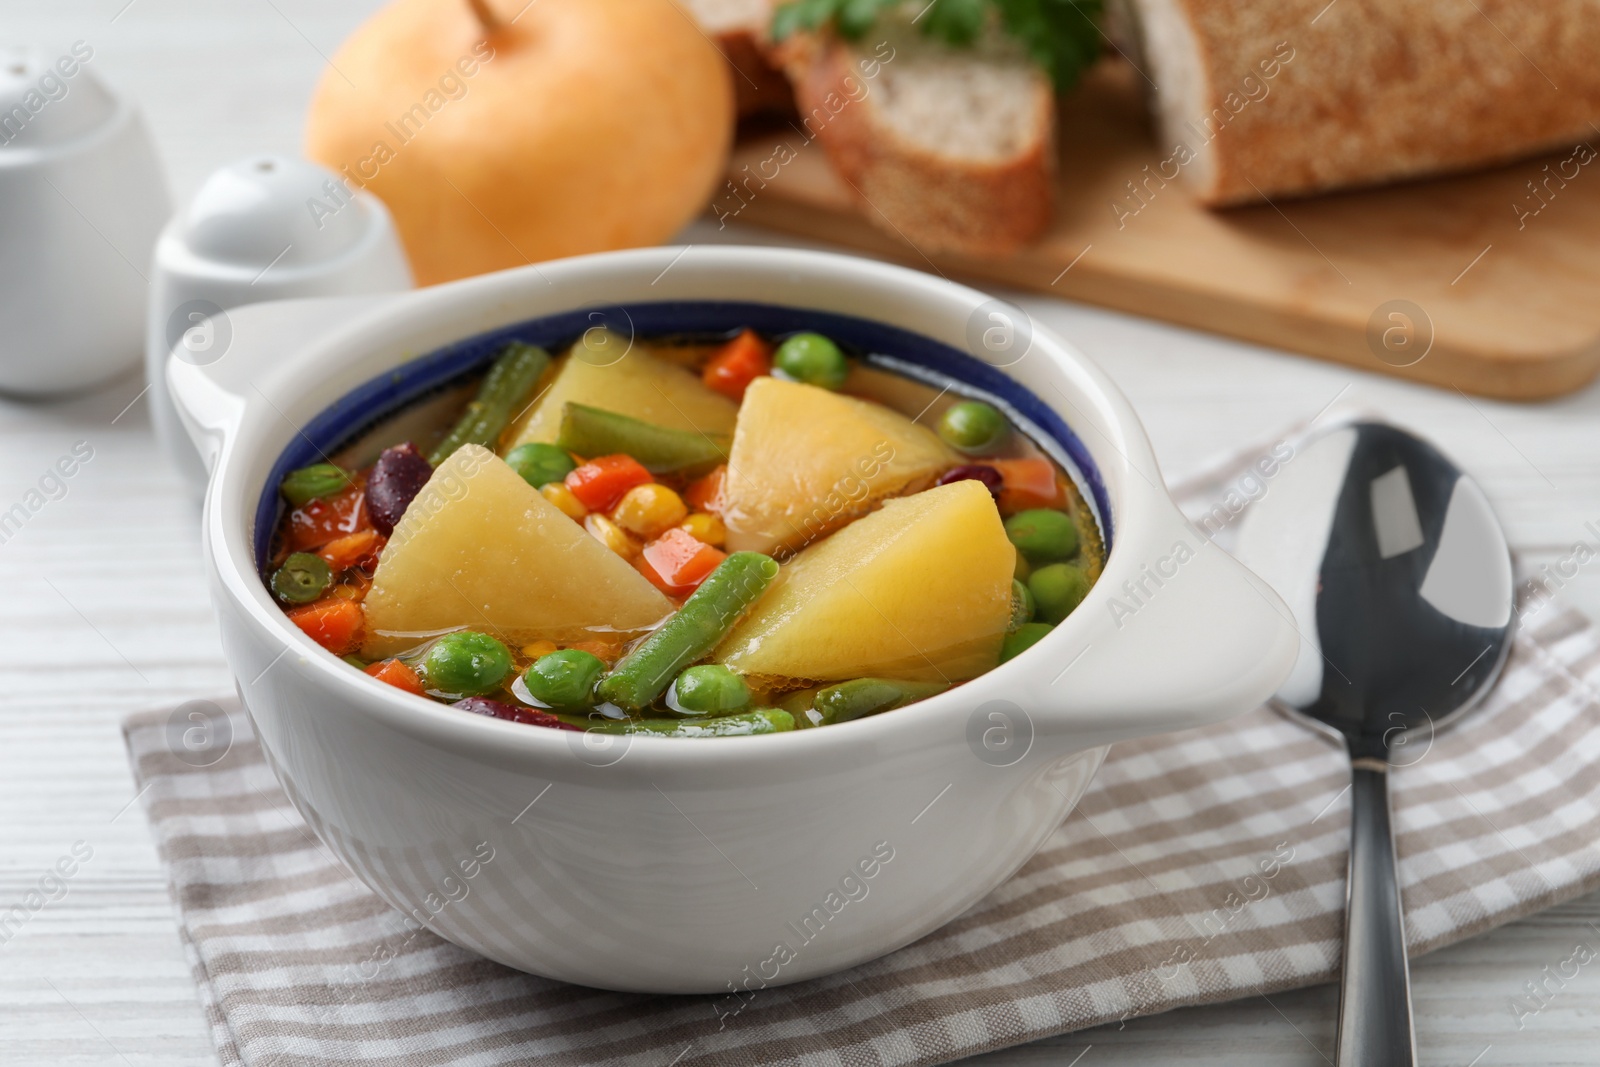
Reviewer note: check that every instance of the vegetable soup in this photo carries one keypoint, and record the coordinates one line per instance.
(685, 538)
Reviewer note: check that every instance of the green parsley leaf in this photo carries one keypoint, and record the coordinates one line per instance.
(1062, 36)
(955, 22)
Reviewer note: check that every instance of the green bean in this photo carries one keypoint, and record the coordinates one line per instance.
(591, 431)
(697, 627)
(302, 578)
(513, 374)
(539, 463)
(301, 487)
(763, 721)
(861, 697)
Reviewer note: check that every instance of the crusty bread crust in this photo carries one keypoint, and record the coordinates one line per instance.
(1376, 90)
(936, 201)
(758, 86)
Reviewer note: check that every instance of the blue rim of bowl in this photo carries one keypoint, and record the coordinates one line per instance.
(370, 403)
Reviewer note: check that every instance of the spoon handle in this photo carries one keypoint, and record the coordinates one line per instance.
(1375, 1001)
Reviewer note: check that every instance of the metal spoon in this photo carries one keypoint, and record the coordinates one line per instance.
(1399, 579)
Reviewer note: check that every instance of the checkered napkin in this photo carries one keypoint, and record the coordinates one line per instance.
(1199, 867)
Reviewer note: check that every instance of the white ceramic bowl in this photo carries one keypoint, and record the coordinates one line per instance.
(698, 866)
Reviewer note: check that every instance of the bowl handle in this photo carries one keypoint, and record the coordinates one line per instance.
(1186, 637)
(211, 397)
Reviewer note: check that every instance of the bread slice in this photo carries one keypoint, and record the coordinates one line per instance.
(739, 30)
(952, 149)
(1267, 98)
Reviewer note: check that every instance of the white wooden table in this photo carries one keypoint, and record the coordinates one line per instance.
(105, 609)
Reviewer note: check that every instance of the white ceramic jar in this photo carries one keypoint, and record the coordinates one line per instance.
(670, 865)
(82, 197)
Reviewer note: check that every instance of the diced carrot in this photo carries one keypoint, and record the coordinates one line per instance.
(333, 623)
(352, 550)
(705, 494)
(737, 364)
(600, 483)
(676, 562)
(398, 675)
(1027, 483)
(316, 523)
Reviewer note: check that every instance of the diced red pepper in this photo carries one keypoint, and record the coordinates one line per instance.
(676, 563)
(316, 523)
(353, 550)
(1027, 483)
(398, 675)
(600, 483)
(737, 364)
(333, 622)
(705, 494)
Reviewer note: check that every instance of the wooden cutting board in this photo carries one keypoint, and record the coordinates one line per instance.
(1473, 282)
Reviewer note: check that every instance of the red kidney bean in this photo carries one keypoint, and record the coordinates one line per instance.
(976, 472)
(394, 482)
(499, 709)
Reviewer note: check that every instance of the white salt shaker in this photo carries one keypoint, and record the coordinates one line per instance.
(82, 198)
(265, 228)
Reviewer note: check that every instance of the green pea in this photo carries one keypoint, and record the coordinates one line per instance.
(540, 464)
(813, 359)
(1057, 589)
(710, 689)
(1022, 606)
(1023, 638)
(466, 663)
(565, 679)
(973, 427)
(319, 480)
(1043, 535)
(302, 578)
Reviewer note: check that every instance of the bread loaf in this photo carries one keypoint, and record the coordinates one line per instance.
(1268, 98)
(951, 149)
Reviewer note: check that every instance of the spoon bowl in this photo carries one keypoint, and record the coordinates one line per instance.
(1399, 579)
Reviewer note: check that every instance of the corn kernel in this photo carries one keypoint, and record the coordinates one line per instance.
(538, 648)
(611, 535)
(706, 528)
(559, 495)
(647, 510)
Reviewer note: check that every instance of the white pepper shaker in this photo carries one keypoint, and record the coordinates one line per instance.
(82, 198)
(265, 228)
